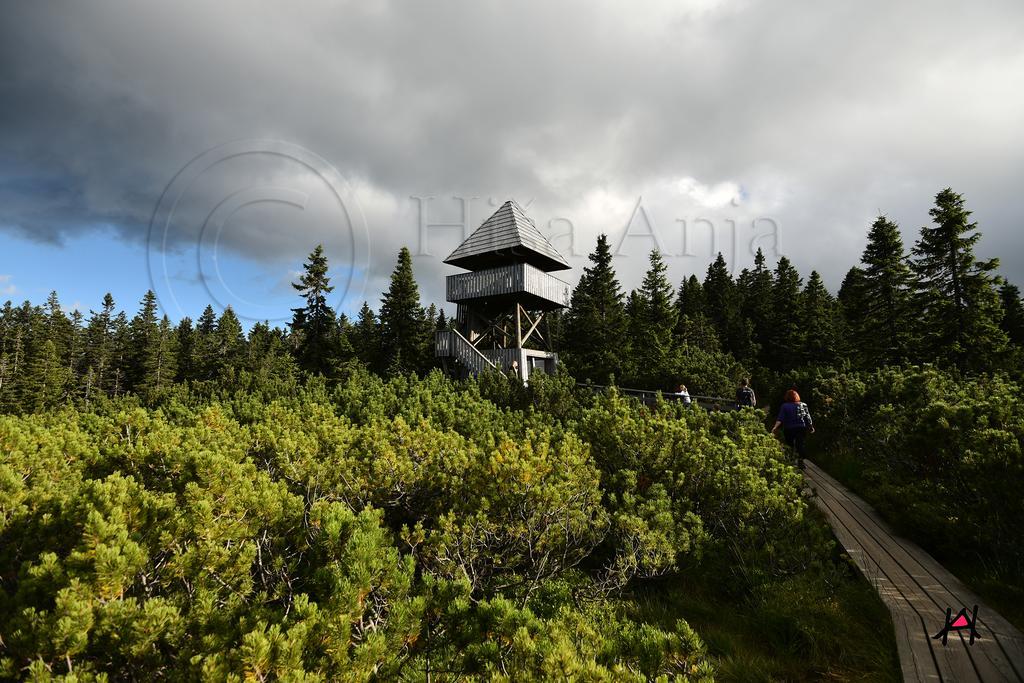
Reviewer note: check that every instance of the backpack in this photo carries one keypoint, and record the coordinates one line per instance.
(803, 413)
(745, 397)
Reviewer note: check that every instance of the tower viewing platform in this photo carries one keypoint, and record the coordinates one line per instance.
(502, 301)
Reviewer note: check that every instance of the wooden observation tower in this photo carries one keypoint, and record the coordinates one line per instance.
(503, 299)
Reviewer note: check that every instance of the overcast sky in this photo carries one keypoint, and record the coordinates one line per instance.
(203, 149)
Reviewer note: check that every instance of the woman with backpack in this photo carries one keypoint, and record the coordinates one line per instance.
(795, 420)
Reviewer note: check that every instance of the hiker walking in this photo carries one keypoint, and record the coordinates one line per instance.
(745, 397)
(795, 420)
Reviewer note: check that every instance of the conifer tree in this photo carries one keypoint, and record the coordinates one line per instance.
(45, 379)
(268, 356)
(883, 335)
(366, 338)
(755, 295)
(344, 349)
(207, 322)
(204, 344)
(635, 315)
(785, 336)
(9, 331)
(654, 315)
(595, 326)
(852, 307)
(63, 332)
(819, 332)
(185, 341)
(429, 327)
(1013, 313)
(143, 340)
(99, 349)
(17, 356)
(431, 318)
(160, 361)
(723, 309)
(313, 325)
(693, 327)
(656, 297)
(403, 339)
(719, 296)
(59, 328)
(690, 300)
(122, 348)
(956, 293)
(75, 359)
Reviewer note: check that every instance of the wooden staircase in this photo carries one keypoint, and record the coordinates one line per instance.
(451, 344)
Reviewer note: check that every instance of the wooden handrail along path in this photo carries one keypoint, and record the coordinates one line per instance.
(918, 590)
(651, 395)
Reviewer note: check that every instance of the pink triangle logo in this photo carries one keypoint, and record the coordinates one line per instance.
(963, 621)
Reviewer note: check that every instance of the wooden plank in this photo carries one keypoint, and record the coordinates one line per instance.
(954, 659)
(1002, 657)
(916, 653)
(917, 590)
(905, 603)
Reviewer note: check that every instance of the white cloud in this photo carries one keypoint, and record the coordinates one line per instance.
(816, 115)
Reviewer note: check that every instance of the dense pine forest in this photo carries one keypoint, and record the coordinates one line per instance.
(194, 500)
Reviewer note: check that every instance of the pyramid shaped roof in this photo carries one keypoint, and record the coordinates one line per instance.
(508, 236)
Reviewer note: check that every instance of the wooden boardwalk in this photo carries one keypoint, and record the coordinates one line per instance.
(917, 591)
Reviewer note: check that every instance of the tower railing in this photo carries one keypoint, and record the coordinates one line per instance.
(514, 278)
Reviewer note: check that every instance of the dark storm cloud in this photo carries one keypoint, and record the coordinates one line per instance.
(814, 114)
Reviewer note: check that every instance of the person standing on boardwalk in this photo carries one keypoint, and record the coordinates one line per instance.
(745, 397)
(683, 394)
(795, 420)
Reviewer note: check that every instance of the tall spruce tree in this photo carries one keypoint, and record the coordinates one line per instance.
(46, 378)
(403, 339)
(595, 327)
(883, 334)
(366, 338)
(818, 324)
(654, 314)
(10, 334)
(755, 295)
(143, 341)
(785, 340)
(429, 327)
(159, 363)
(636, 317)
(204, 345)
(59, 328)
(229, 343)
(22, 345)
(956, 293)
(723, 309)
(314, 325)
(1013, 313)
(185, 340)
(720, 298)
(852, 310)
(344, 348)
(99, 350)
(693, 327)
(268, 356)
